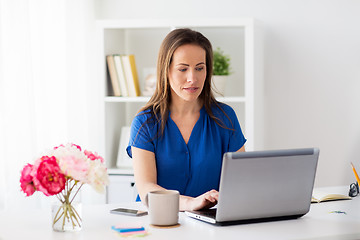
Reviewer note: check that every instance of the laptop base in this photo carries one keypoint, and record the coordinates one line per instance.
(258, 220)
(211, 220)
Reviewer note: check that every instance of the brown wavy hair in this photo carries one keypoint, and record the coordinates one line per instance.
(160, 101)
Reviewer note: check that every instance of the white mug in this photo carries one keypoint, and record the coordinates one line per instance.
(163, 207)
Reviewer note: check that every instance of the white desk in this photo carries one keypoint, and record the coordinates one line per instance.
(319, 223)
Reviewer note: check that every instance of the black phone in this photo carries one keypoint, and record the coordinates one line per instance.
(129, 212)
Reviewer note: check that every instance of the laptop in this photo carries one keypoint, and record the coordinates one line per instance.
(263, 186)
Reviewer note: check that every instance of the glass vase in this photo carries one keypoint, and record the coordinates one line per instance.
(66, 213)
(66, 217)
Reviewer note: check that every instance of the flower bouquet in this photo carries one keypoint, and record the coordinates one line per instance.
(62, 172)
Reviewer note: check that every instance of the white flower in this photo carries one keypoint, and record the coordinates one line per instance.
(97, 176)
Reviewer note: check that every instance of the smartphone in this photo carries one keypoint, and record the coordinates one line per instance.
(129, 212)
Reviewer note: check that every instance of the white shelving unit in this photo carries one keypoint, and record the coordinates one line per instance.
(238, 38)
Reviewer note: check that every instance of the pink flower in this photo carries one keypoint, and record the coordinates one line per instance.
(75, 167)
(77, 146)
(26, 180)
(93, 156)
(64, 164)
(61, 145)
(48, 177)
(72, 144)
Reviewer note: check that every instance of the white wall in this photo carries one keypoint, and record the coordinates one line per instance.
(311, 70)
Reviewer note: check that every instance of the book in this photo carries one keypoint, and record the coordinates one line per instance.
(113, 75)
(323, 196)
(131, 75)
(121, 75)
(135, 74)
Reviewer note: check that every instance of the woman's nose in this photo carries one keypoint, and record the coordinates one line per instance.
(191, 76)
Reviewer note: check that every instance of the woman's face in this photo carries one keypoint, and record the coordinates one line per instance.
(187, 72)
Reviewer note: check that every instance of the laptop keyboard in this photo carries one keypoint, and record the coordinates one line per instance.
(208, 212)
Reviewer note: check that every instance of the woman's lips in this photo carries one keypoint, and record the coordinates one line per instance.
(191, 89)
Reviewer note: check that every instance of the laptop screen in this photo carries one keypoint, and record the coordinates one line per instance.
(263, 184)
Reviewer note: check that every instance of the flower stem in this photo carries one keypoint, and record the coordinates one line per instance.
(76, 193)
(67, 211)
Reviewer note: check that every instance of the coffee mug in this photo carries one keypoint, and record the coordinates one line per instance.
(163, 207)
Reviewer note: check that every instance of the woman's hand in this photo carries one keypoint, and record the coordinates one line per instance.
(204, 201)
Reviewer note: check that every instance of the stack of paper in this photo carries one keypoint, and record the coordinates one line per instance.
(130, 230)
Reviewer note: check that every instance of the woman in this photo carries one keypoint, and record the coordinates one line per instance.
(178, 139)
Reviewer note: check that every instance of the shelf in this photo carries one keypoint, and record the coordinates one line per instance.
(120, 171)
(237, 37)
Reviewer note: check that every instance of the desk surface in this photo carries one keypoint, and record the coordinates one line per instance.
(319, 223)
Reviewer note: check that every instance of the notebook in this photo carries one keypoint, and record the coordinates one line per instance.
(262, 186)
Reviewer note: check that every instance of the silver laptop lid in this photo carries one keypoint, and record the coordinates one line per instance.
(263, 184)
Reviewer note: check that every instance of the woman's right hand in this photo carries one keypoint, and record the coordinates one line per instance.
(204, 201)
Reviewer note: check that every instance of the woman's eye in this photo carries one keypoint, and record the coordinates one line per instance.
(199, 68)
(182, 69)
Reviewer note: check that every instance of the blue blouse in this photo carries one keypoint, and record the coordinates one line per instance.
(193, 168)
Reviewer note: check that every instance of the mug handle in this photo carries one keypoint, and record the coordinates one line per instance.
(146, 200)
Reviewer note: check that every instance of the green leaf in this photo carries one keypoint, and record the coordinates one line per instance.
(221, 63)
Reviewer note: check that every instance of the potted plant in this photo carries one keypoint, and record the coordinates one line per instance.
(221, 71)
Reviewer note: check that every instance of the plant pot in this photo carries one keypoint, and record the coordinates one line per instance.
(219, 84)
